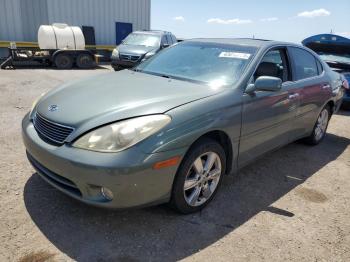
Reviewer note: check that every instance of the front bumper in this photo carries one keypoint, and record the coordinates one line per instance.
(81, 174)
(123, 63)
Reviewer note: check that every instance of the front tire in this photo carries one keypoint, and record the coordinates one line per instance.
(117, 68)
(320, 128)
(199, 176)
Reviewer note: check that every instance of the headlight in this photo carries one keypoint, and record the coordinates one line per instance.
(115, 53)
(122, 135)
(148, 55)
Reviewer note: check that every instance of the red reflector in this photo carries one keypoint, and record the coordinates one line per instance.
(166, 163)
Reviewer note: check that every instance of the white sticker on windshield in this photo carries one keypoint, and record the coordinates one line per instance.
(234, 55)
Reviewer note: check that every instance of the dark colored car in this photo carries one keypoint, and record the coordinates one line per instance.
(335, 51)
(139, 46)
(168, 130)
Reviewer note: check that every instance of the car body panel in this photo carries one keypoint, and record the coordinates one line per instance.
(131, 55)
(119, 96)
(129, 174)
(136, 49)
(335, 51)
(267, 118)
(253, 123)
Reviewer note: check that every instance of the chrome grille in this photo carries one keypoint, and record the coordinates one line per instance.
(132, 58)
(51, 131)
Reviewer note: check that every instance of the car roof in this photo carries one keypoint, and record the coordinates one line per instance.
(252, 42)
(152, 32)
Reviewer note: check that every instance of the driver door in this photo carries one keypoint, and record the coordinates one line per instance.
(268, 116)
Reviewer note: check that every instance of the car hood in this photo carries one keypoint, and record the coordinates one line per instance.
(135, 49)
(110, 97)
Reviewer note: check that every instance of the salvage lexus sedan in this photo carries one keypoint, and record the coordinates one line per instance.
(169, 129)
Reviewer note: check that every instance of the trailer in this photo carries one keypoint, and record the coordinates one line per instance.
(61, 59)
(60, 45)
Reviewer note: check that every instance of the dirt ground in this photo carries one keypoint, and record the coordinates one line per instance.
(293, 204)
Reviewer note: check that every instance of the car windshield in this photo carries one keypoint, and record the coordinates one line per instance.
(210, 63)
(339, 58)
(142, 39)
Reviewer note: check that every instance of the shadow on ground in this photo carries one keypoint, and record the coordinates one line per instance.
(37, 65)
(89, 234)
(344, 112)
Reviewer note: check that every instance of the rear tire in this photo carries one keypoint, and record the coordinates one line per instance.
(198, 177)
(64, 61)
(320, 128)
(85, 61)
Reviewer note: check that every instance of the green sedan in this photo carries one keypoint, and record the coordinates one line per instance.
(168, 130)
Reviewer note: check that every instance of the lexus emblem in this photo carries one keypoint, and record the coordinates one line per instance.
(53, 108)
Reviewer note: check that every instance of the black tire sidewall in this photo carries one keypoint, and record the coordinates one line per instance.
(177, 197)
(60, 57)
(312, 138)
(82, 65)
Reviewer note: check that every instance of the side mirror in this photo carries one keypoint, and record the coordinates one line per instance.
(265, 83)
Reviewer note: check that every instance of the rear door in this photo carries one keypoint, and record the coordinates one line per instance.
(312, 86)
(268, 117)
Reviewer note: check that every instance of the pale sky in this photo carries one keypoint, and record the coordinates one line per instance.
(287, 20)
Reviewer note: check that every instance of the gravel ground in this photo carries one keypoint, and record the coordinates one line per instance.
(293, 204)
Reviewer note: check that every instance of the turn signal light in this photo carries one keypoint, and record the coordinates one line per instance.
(167, 163)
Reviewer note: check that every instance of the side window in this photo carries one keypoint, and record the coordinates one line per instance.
(170, 41)
(274, 63)
(319, 67)
(164, 40)
(174, 39)
(305, 64)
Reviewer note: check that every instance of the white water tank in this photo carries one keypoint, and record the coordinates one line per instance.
(61, 36)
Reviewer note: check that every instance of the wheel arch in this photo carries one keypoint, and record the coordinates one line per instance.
(224, 140)
(331, 105)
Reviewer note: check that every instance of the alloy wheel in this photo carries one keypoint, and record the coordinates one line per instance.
(321, 125)
(202, 179)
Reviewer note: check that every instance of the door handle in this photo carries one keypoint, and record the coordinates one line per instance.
(326, 86)
(293, 96)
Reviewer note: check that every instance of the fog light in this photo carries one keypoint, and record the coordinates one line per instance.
(106, 193)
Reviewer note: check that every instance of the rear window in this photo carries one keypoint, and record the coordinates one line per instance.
(305, 63)
(319, 67)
